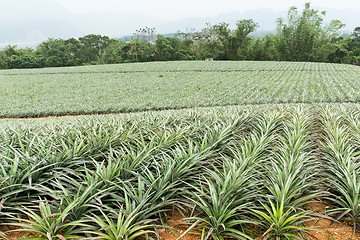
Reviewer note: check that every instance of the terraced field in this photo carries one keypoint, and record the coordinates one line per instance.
(172, 85)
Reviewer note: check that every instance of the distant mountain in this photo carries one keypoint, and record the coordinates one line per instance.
(265, 17)
(32, 10)
(36, 30)
(350, 17)
(34, 24)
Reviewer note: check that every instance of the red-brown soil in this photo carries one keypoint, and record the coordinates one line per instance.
(179, 225)
(325, 230)
(330, 230)
(12, 235)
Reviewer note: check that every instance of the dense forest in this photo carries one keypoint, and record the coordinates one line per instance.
(302, 36)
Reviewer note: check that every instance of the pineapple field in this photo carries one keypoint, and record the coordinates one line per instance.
(235, 150)
(134, 87)
(231, 172)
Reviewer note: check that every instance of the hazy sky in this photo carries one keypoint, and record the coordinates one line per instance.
(36, 20)
(173, 10)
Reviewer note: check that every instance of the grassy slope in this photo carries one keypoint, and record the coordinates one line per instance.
(164, 85)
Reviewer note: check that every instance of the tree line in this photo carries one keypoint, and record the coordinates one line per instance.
(301, 36)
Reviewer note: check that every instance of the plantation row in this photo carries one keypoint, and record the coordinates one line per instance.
(189, 66)
(233, 172)
(172, 85)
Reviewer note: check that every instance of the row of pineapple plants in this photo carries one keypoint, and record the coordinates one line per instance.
(233, 174)
(340, 140)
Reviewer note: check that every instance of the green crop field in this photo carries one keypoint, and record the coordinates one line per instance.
(172, 85)
(283, 158)
(233, 172)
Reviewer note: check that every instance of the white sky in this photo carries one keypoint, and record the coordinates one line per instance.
(37, 20)
(172, 10)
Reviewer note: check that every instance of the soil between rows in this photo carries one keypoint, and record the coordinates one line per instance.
(325, 229)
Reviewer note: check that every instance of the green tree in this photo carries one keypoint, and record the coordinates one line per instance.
(211, 42)
(3, 64)
(172, 48)
(59, 52)
(112, 52)
(302, 36)
(146, 34)
(227, 44)
(353, 46)
(26, 61)
(73, 48)
(137, 51)
(92, 47)
(12, 57)
(187, 43)
(11, 50)
(264, 49)
(242, 39)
